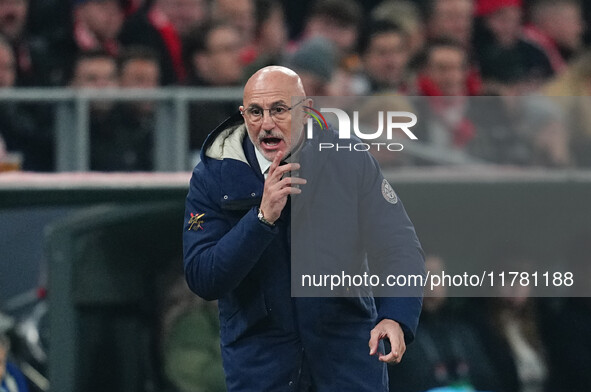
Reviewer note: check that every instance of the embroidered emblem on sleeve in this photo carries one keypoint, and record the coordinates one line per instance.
(388, 192)
(196, 221)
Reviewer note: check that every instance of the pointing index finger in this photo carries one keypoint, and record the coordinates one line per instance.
(276, 162)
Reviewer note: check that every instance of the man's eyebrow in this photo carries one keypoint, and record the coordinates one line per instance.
(276, 103)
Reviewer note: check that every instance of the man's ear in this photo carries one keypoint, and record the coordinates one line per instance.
(241, 109)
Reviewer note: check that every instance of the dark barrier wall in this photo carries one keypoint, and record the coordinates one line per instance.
(471, 223)
(105, 262)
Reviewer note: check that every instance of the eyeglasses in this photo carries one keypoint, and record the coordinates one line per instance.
(278, 112)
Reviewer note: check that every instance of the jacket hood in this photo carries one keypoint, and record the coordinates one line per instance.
(225, 142)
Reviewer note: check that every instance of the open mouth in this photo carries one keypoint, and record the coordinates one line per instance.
(271, 142)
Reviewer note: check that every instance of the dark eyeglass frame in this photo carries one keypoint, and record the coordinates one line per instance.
(258, 117)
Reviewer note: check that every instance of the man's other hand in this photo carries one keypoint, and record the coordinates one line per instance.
(388, 329)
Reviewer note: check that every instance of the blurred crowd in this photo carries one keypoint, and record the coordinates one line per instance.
(430, 48)
(508, 342)
(500, 82)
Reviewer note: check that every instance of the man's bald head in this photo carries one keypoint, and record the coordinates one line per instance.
(272, 77)
(274, 88)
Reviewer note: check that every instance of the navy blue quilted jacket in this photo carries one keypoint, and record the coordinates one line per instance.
(270, 340)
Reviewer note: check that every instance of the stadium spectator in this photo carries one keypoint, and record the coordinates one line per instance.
(121, 134)
(369, 118)
(11, 378)
(510, 324)
(443, 70)
(96, 70)
(444, 76)
(405, 14)
(126, 141)
(34, 62)
(337, 20)
(162, 27)
(185, 14)
(213, 55)
(557, 27)
(97, 24)
(500, 136)
(385, 52)
(270, 36)
(25, 128)
(509, 327)
(315, 61)
(238, 13)
(508, 64)
(570, 92)
(139, 67)
(450, 19)
(191, 361)
(512, 338)
(551, 136)
(519, 131)
(13, 18)
(448, 350)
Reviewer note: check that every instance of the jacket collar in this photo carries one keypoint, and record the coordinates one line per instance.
(222, 136)
(241, 177)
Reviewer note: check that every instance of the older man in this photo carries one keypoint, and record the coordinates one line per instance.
(240, 224)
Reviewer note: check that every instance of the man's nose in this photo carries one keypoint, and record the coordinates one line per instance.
(268, 120)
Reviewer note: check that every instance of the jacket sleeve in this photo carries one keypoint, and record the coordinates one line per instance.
(393, 248)
(218, 256)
